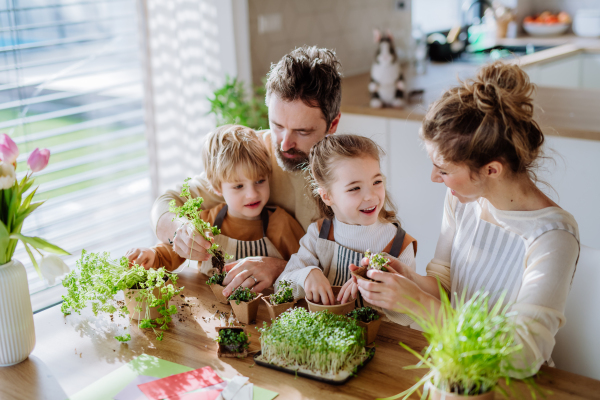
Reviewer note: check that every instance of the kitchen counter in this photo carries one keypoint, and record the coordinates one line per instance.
(566, 112)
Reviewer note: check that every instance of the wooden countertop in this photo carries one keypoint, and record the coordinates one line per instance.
(562, 112)
(73, 352)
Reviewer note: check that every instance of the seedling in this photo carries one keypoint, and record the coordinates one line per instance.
(377, 261)
(233, 340)
(217, 279)
(364, 314)
(242, 294)
(284, 294)
(97, 280)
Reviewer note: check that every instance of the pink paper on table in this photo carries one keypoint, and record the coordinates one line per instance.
(179, 384)
(206, 395)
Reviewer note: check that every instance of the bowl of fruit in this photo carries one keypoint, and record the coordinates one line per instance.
(547, 24)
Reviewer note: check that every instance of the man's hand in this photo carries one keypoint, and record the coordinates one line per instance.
(264, 269)
(318, 288)
(190, 244)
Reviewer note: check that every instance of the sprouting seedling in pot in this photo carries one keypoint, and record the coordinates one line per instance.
(217, 279)
(190, 210)
(284, 294)
(364, 314)
(242, 294)
(233, 340)
(377, 261)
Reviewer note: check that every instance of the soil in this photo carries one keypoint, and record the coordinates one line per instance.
(218, 260)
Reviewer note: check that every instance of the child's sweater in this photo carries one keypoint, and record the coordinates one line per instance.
(354, 237)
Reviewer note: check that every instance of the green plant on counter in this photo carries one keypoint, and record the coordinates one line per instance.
(284, 294)
(377, 261)
(97, 280)
(217, 279)
(364, 314)
(242, 294)
(234, 340)
(319, 341)
(471, 347)
(231, 105)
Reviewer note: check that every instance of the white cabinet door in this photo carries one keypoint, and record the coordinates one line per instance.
(420, 202)
(562, 73)
(590, 71)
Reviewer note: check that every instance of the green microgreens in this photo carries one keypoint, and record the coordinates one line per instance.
(235, 339)
(284, 294)
(320, 341)
(377, 261)
(98, 279)
(471, 347)
(242, 294)
(124, 338)
(364, 314)
(190, 210)
(217, 279)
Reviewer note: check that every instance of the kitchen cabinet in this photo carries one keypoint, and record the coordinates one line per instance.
(580, 71)
(590, 71)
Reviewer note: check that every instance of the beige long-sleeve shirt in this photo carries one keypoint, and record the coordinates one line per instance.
(531, 255)
(289, 190)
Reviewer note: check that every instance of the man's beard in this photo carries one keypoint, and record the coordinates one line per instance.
(291, 164)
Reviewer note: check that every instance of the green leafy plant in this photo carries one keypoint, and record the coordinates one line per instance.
(377, 261)
(234, 340)
(284, 294)
(124, 338)
(190, 211)
(231, 105)
(242, 294)
(471, 347)
(364, 314)
(319, 341)
(217, 279)
(97, 280)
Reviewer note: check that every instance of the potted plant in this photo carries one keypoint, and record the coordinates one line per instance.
(281, 300)
(471, 348)
(244, 303)
(369, 319)
(98, 280)
(337, 308)
(376, 261)
(232, 341)
(17, 333)
(318, 345)
(215, 283)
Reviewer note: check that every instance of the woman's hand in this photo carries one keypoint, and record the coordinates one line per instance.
(143, 256)
(390, 290)
(318, 288)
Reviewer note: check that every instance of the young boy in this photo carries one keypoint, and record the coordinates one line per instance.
(238, 167)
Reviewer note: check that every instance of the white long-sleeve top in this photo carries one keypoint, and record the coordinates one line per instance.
(542, 275)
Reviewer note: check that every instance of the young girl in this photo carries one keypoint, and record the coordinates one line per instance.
(357, 215)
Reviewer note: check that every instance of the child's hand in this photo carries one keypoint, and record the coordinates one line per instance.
(318, 288)
(348, 291)
(142, 256)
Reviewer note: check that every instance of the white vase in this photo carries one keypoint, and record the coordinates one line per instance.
(17, 333)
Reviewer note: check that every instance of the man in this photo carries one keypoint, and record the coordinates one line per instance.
(303, 97)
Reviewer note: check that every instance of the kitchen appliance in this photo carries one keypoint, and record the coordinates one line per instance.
(587, 23)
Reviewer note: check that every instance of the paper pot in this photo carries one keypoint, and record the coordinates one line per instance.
(225, 351)
(218, 291)
(437, 394)
(17, 333)
(274, 311)
(246, 312)
(371, 329)
(131, 303)
(361, 273)
(339, 309)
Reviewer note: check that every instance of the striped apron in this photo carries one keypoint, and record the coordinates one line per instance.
(240, 248)
(487, 256)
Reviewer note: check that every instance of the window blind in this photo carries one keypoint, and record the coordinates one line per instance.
(71, 80)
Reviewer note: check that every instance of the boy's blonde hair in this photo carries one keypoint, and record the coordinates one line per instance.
(231, 146)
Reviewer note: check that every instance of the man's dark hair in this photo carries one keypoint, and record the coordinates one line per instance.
(311, 75)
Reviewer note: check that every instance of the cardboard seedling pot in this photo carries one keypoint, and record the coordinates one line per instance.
(371, 329)
(361, 273)
(275, 311)
(218, 292)
(437, 394)
(246, 312)
(131, 303)
(223, 351)
(339, 309)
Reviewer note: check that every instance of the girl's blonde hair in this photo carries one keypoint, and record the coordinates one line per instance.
(323, 157)
(231, 146)
(489, 118)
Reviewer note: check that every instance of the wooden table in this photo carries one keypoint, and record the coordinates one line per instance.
(75, 351)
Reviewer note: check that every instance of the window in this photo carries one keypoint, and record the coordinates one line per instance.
(71, 80)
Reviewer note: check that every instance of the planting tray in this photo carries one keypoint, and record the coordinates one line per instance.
(314, 376)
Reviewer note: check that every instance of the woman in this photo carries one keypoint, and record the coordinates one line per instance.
(499, 231)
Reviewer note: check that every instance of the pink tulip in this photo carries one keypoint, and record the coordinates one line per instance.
(38, 159)
(8, 149)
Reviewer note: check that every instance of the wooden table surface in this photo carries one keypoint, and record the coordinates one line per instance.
(74, 351)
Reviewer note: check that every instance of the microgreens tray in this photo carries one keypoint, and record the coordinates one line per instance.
(340, 378)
